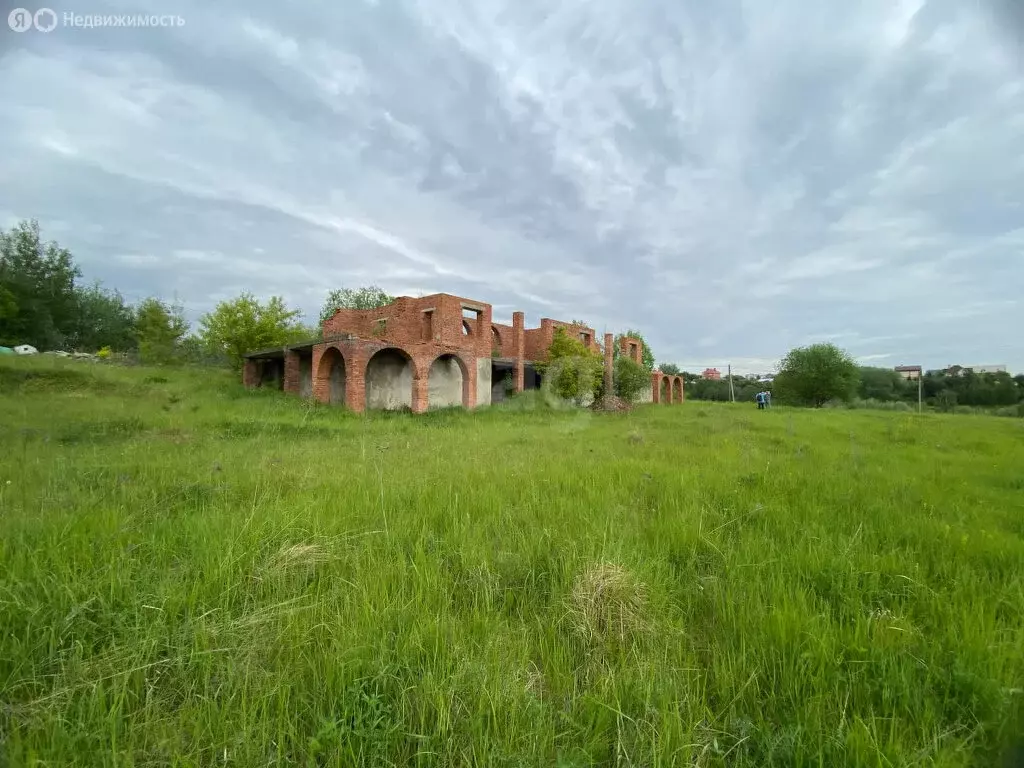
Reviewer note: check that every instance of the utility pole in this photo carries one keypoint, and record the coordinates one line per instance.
(732, 391)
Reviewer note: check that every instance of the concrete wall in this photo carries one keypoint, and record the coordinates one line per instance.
(306, 376)
(444, 383)
(337, 386)
(483, 381)
(389, 381)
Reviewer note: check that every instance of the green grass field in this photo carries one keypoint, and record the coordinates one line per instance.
(193, 574)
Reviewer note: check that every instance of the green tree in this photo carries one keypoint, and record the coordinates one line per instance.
(104, 319)
(159, 328)
(369, 297)
(669, 368)
(646, 355)
(881, 384)
(630, 378)
(572, 371)
(245, 324)
(816, 374)
(37, 288)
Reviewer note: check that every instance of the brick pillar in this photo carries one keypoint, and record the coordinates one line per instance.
(321, 385)
(469, 380)
(355, 381)
(656, 387)
(251, 374)
(682, 389)
(291, 371)
(420, 394)
(609, 365)
(519, 340)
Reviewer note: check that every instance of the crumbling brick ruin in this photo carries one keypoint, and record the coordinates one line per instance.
(430, 352)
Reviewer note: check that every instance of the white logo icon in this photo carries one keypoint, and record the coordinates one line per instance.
(20, 20)
(45, 20)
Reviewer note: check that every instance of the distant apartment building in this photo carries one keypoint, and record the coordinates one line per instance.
(909, 372)
(712, 373)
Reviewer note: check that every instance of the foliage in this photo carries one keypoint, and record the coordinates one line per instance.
(245, 324)
(814, 375)
(669, 368)
(368, 297)
(881, 384)
(103, 318)
(570, 369)
(38, 302)
(630, 379)
(646, 354)
(160, 327)
(195, 574)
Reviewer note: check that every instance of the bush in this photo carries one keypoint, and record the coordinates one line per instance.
(630, 379)
(945, 401)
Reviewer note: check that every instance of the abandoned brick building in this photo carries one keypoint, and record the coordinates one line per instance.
(430, 352)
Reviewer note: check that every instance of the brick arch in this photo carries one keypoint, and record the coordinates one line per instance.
(331, 376)
(677, 389)
(496, 341)
(467, 327)
(442, 391)
(389, 379)
(665, 390)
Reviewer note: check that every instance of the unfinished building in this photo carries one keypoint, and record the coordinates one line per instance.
(420, 353)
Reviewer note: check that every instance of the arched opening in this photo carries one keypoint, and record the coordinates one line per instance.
(495, 340)
(332, 370)
(466, 329)
(389, 375)
(447, 383)
(677, 390)
(666, 392)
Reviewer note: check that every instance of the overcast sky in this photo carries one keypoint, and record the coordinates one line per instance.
(732, 178)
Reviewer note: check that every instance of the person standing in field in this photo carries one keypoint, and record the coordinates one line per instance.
(760, 400)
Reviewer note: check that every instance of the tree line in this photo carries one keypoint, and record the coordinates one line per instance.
(823, 374)
(44, 303)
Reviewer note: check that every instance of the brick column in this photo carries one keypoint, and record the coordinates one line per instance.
(291, 371)
(420, 389)
(609, 365)
(519, 341)
(656, 387)
(251, 374)
(321, 385)
(355, 379)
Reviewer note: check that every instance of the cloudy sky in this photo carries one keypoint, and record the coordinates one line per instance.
(733, 178)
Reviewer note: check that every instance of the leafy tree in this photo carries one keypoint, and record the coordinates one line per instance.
(630, 378)
(571, 370)
(816, 374)
(369, 297)
(159, 328)
(37, 288)
(881, 384)
(244, 324)
(104, 319)
(8, 305)
(669, 368)
(646, 354)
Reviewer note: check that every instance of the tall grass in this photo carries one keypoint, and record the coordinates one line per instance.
(193, 574)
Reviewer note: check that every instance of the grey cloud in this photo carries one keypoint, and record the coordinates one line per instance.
(731, 178)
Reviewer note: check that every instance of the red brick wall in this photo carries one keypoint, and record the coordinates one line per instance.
(357, 354)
